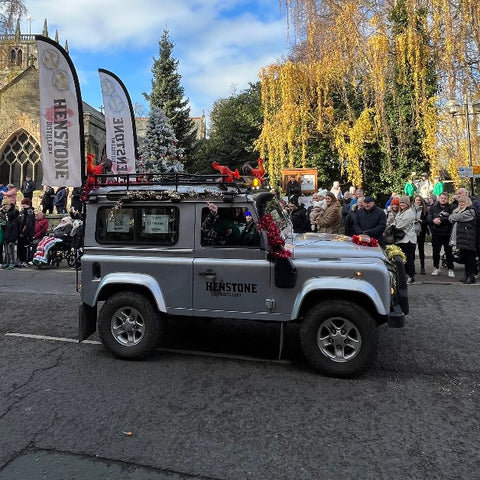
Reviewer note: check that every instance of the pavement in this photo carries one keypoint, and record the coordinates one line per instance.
(442, 277)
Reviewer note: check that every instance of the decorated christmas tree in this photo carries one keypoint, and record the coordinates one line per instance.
(160, 152)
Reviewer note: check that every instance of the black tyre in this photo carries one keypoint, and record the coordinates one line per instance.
(129, 325)
(339, 338)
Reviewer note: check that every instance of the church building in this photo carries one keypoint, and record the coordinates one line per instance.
(20, 147)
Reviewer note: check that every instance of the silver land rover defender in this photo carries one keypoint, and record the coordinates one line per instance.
(185, 245)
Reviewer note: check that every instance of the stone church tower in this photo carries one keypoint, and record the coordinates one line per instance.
(20, 111)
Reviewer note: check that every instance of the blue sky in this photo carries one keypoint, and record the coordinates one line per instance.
(220, 44)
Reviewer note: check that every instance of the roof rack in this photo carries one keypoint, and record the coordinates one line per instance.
(174, 180)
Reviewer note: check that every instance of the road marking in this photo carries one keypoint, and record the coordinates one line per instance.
(46, 337)
(197, 353)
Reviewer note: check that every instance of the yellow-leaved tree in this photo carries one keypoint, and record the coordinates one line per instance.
(365, 76)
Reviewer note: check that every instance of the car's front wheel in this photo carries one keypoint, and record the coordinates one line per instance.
(129, 325)
(339, 338)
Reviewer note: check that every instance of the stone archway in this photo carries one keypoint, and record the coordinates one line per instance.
(19, 157)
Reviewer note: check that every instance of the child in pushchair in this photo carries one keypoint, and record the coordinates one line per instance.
(63, 243)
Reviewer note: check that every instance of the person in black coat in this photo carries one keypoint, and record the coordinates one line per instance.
(47, 200)
(293, 188)
(76, 203)
(370, 220)
(298, 216)
(26, 232)
(463, 235)
(440, 227)
(10, 237)
(28, 187)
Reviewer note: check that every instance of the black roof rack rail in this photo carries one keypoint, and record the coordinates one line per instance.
(171, 179)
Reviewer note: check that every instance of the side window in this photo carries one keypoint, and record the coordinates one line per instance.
(230, 227)
(138, 225)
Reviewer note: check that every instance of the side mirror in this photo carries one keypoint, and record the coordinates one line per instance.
(285, 273)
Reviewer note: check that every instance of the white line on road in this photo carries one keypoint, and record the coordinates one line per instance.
(46, 337)
(167, 350)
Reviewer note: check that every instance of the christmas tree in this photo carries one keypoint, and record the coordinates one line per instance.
(168, 94)
(160, 152)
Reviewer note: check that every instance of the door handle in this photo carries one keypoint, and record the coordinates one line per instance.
(208, 273)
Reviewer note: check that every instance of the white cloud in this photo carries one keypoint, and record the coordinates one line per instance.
(218, 43)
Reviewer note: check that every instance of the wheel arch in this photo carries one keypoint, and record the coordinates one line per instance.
(142, 284)
(315, 296)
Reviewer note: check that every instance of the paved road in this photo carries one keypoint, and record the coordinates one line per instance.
(70, 410)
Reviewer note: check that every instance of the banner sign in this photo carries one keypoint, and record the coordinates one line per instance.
(61, 116)
(121, 138)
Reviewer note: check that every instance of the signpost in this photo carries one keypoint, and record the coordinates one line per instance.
(469, 172)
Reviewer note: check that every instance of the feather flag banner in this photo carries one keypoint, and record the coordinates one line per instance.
(61, 116)
(121, 138)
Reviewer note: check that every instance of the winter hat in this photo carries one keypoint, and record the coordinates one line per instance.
(395, 201)
(369, 199)
(404, 199)
(322, 192)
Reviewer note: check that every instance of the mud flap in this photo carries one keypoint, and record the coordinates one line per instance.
(87, 321)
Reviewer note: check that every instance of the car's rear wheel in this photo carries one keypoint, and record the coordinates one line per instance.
(129, 325)
(339, 338)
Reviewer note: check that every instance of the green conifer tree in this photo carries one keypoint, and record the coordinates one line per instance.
(168, 94)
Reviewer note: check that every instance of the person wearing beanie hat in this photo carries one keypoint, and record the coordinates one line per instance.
(389, 201)
(463, 236)
(315, 211)
(249, 235)
(392, 210)
(405, 220)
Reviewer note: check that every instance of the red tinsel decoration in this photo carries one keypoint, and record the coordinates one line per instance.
(274, 236)
(365, 240)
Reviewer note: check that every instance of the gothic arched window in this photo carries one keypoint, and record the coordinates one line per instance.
(20, 157)
(16, 57)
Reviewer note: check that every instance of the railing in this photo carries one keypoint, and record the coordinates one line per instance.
(171, 179)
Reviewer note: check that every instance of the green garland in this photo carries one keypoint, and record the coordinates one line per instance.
(165, 195)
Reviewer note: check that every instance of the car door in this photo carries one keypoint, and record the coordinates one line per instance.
(230, 280)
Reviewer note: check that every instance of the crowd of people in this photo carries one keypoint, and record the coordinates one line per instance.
(423, 209)
(22, 228)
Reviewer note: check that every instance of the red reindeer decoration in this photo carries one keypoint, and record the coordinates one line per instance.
(258, 172)
(230, 175)
(92, 171)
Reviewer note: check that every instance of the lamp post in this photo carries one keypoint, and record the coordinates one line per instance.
(455, 108)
